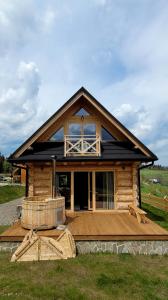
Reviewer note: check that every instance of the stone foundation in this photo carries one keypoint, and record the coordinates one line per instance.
(9, 246)
(131, 247)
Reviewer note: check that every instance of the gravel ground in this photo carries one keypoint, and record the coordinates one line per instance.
(8, 211)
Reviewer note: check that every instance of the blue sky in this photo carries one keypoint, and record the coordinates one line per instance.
(117, 49)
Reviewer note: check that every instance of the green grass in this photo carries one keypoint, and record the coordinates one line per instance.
(159, 190)
(154, 189)
(8, 193)
(153, 173)
(147, 187)
(98, 276)
(157, 215)
(3, 228)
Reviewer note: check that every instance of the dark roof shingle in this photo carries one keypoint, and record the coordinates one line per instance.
(109, 151)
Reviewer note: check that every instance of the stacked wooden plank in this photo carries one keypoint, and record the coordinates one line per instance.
(35, 248)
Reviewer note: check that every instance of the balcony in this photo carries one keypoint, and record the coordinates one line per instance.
(81, 145)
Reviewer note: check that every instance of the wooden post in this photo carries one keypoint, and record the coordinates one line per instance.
(94, 191)
(72, 191)
(89, 191)
(27, 182)
(54, 192)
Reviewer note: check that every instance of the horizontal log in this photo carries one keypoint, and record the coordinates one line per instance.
(122, 175)
(124, 191)
(42, 179)
(124, 183)
(43, 186)
(124, 169)
(45, 173)
(121, 205)
(124, 198)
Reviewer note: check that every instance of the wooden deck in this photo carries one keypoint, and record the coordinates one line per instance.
(97, 226)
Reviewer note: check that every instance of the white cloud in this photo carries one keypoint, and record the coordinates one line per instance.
(100, 2)
(17, 24)
(151, 129)
(146, 45)
(48, 20)
(19, 104)
(160, 146)
(138, 120)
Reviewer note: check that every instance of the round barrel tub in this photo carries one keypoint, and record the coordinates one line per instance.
(40, 213)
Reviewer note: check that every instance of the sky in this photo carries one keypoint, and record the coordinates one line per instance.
(116, 49)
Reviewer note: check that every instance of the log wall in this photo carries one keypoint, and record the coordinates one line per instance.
(40, 180)
(125, 180)
(126, 186)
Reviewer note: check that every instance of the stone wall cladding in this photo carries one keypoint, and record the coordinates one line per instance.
(131, 247)
(9, 246)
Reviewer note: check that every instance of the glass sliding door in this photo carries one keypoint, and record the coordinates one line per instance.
(104, 190)
(63, 186)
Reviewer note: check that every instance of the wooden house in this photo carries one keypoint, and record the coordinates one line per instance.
(85, 154)
(84, 162)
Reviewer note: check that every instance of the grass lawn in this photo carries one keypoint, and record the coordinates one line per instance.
(11, 192)
(3, 228)
(157, 215)
(154, 189)
(98, 276)
(154, 173)
(147, 187)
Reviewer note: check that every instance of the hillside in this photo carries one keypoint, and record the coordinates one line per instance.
(160, 189)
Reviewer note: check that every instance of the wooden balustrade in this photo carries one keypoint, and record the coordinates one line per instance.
(78, 145)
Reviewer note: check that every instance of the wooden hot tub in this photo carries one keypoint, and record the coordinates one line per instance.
(40, 213)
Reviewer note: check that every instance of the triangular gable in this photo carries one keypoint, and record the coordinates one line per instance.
(98, 106)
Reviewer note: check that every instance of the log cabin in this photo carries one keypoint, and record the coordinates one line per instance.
(86, 155)
(83, 170)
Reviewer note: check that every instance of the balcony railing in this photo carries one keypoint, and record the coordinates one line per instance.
(78, 145)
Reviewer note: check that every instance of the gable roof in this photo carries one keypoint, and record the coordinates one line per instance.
(83, 92)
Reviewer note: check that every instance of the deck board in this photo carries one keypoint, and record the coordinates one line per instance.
(97, 226)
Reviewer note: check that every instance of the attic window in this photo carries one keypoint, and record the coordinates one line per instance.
(58, 136)
(106, 135)
(82, 112)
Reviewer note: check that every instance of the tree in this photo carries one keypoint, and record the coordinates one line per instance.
(2, 158)
(7, 168)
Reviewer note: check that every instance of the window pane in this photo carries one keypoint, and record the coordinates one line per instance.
(63, 186)
(74, 129)
(104, 190)
(106, 135)
(82, 112)
(89, 129)
(58, 135)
